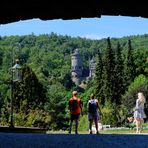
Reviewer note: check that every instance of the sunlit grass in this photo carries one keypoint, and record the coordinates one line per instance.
(131, 129)
(123, 131)
(106, 131)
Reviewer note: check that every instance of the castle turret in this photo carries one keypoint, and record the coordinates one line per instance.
(76, 67)
(92, 68)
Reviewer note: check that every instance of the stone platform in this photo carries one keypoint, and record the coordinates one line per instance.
(24, 140)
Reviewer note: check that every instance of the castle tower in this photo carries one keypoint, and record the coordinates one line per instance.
(92, 68)
(76, 67)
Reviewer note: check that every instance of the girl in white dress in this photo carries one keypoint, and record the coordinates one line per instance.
(139, 113)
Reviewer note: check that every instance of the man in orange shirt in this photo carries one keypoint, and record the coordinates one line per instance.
(75, 106)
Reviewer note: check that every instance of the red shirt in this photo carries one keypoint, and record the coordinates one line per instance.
(76, 111)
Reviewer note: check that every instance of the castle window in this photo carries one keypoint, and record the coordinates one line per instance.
(79, 67)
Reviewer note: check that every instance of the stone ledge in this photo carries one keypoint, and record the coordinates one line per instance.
(22, 129)
(21, 140)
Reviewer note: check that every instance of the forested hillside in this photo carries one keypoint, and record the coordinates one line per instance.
(41, 98)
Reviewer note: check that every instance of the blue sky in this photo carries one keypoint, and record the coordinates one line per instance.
(94, 28)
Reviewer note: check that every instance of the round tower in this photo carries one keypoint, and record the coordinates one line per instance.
(76, 67)
(92, 68)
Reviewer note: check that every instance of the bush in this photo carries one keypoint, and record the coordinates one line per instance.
(109, 114)
(35, 118)
(83, 123)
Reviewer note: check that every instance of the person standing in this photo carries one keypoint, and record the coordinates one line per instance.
(75, 106)
(93, 113)
(139, 113)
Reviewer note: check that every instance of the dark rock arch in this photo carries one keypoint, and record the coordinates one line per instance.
(13, 11)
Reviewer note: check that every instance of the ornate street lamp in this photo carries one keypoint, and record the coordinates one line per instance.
(16, 76)
(17, 72)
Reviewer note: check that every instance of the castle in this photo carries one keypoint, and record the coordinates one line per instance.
(77, 71)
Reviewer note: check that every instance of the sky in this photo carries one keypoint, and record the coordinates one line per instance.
(92, 28)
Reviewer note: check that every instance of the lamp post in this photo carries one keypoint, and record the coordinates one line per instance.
(16, 75)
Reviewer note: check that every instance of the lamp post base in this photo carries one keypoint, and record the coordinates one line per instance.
(11, 126)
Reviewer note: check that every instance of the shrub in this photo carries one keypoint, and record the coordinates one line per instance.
(35, 118)
(83, 123)
(109, 114)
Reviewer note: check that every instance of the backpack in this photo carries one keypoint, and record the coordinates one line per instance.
(74, 104)
(92, 107)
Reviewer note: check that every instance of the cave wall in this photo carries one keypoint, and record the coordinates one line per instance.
(12, 11)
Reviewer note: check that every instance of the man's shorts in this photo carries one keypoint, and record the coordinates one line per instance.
(74, 117)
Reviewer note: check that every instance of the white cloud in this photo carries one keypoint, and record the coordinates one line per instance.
(92, 36)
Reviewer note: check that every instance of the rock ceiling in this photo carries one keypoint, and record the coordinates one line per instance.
(13, 11)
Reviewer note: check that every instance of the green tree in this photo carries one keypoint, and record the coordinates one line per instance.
(56, 106)
(119, 87)
(108, 73)
(98, 78)
(29, 93)
(1, 57)
(141, 61)
(129, 66)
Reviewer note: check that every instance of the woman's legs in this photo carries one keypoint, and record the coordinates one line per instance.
(96, 125)
(90, 126)
(140, 126)
(137, 125)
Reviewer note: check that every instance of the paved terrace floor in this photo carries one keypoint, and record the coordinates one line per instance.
(28, 140)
